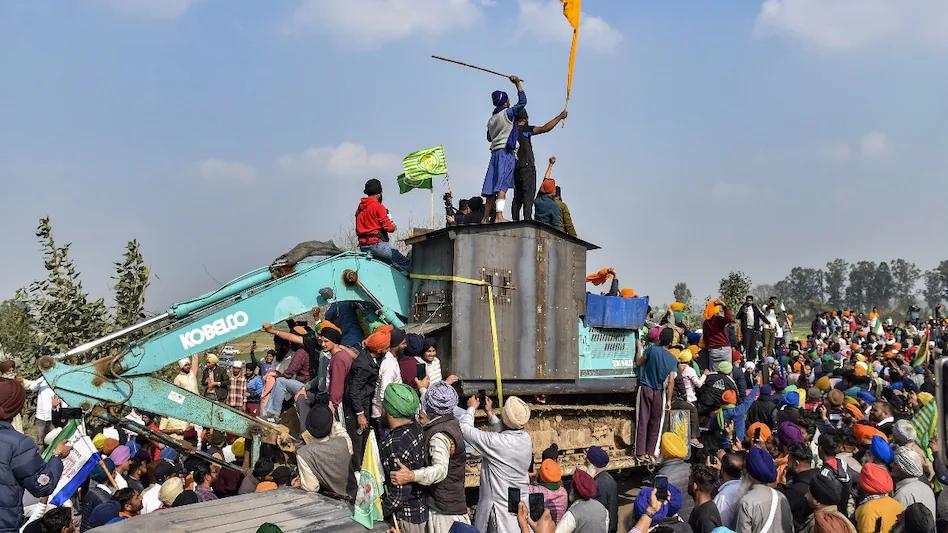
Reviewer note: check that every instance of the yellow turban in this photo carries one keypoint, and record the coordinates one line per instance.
(673, 446)
(823, 383)
(802, 394)
(925, 397)
(211, 359)
(98, 441)
(694, 348)
(677, 306)
(850, 400)
(238, 447)
(861, 357)
(685, 356)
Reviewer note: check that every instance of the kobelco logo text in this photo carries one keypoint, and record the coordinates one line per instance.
(214, 329)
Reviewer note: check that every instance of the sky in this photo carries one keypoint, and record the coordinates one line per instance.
(703, 137)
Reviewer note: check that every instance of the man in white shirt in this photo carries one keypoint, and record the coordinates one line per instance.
(726, 500)
(389, 372)
(44, 408)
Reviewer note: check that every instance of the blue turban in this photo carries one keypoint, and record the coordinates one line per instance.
(98, 475)
(866, 396)
(898, 385)
(919, 369)
(641, 504)
(766, 391)
(792, 399)
(881, 450)
(674, 500)
(415, 345)
(760, 465)
(499, 98)
(694, 337)
(441, 399)
(909, 385)
(104, 512)
(597, 457)
(852, 391)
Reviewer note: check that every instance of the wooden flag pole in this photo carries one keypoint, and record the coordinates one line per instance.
(456, 62)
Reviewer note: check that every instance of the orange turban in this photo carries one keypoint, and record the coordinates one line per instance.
(855, 411)
(380, 341)
(729, 397)
(109, 446)
(598, 278)
(550, 471)
(711, 309)
(330, 325)
(865, 432)
(765, 431)
(548, 186)
(627, 293)
(264, 486)
(860, 371)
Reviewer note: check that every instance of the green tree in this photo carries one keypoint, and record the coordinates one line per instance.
(905, 275)
(131, 280)
(805, 289)
(834, 279)
(65, 315)
(17, 330)
(682, 293)
(882, 288)
(859, 291)
(734, 287)
(934, 290)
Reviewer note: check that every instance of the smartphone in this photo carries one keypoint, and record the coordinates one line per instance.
(421, 370)
(70, 413)
(660, 485)
(482, 397)
(757, 434)
(536, 506)
(835, 417)
(513, 500)
(714, 459)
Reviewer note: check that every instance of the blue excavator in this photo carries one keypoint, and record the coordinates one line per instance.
(506, 304)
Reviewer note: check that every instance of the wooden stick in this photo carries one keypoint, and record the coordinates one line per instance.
(456, 62)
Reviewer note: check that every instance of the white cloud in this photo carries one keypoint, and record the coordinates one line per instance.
(851, 24)
(159, 9)
(347, 159)
(874, 145)
(871, 145)
(370, 23)
(543, 20)
(219, 170)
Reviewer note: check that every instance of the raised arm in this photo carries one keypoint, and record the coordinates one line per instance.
(549, 168)
(549, 125)
(285, 335)
(521, 98)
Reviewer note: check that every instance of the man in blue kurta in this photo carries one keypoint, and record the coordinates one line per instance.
(502, 134)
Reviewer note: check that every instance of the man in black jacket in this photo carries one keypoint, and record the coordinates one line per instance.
(752, 319)
(800, 473)
(360, 389)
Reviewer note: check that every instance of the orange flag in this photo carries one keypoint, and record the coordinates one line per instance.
(571, 12)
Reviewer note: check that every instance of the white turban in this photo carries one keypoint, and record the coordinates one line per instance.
(185, 361)
(908, 462)
(516, 413)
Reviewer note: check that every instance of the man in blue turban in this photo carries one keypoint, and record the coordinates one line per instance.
(754, 511)
(502, 134)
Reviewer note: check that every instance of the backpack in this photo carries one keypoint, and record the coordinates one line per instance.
(710, 394)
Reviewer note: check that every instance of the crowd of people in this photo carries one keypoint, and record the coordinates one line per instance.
(830, 433)
(834, 432)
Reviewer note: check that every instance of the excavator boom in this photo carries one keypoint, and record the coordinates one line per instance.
(236, 309)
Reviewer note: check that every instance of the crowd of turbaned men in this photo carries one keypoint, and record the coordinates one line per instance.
(832, 433)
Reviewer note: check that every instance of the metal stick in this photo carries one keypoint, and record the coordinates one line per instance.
(115, 334)
(456, 62)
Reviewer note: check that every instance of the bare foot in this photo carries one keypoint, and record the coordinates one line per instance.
(499, 218)
(485, 220)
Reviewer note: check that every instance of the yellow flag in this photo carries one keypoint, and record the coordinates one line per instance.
(571, 12)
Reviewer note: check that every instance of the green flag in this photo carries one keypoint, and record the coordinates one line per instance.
(419, 167)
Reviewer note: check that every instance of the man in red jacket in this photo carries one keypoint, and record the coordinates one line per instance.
(373, 227)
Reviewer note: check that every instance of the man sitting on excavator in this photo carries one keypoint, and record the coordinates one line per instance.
(373, 227)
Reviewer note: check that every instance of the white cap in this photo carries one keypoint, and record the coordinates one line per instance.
(238, 364)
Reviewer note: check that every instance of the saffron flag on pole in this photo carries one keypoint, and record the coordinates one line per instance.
(420, 167)
(370, 486)
(77, 467)
(571, 12)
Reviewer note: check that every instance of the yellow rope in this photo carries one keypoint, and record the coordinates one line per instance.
(493, 322)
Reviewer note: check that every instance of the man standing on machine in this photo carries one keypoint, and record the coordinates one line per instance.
(525, 170)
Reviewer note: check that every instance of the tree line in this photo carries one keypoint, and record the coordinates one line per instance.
(55, 314)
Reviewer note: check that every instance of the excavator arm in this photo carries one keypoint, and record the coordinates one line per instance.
(236, 309)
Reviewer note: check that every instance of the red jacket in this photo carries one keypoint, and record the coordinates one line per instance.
(372, 217)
